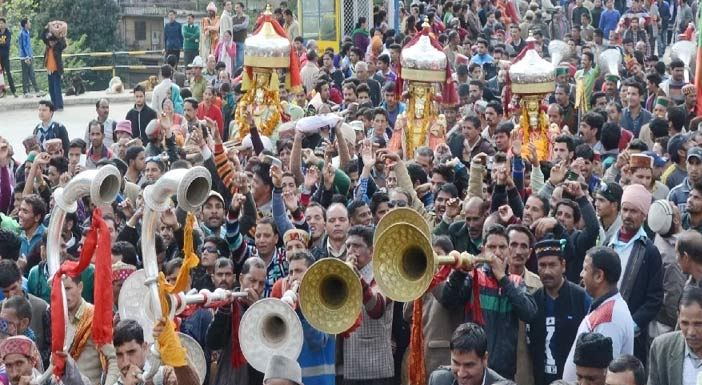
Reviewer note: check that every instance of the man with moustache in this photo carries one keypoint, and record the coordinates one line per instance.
(21, 359)
(466, 235)
(561, 306)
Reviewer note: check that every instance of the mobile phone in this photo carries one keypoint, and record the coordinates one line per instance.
(571, 175)
(83, 159)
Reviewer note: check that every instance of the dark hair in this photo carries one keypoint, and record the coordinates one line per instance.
(606, 259)
(691, 295)
(677, 116)
(139, 88)
(676, 63)
(524, 230)
(443, 242)
(585, 151)
(573, 206)
(639, 87)
(659, 127)
(595, 121)
(127, 330)
(172, 60)
(473, 119)
(9, 273)
(629, 363)
(20, 305)
(365, 232)
(445, 171)
(355, 205)
(416, 173)
(38, 205)
(611, 133)
(568, 140)
(78, 143)
(362, 88)
(10, 245)
(262, 170)
(166, 71)
(590, 55)
(221, 244)
(132, 153)
(469, 337)
(360, 21)
(377, 199)
(48, 104)
(496, 229)
(24, 21)
(504, 128)
(61, 164)
(638, 144)
(449, 188)
(302, 256)
(126, 250)
(495, 105)
(544, 202)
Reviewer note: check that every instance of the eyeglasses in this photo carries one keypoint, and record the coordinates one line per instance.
(393, 204)
(210, 249)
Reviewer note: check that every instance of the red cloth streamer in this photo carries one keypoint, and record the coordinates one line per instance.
(417, 369)
(101, 329)
(475, 310)
(237, 359)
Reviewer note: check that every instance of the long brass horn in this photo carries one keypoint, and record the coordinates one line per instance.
(331, 296)
(268, 327)
(191, 187)
(401, 215)
(404, 262)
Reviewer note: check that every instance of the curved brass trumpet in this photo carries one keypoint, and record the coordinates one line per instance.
(401, 215)
(331, 296)
(404, 262)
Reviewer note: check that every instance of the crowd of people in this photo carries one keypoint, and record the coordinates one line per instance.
(594, 252)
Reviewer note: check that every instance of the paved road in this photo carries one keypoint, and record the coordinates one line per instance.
(18, 124)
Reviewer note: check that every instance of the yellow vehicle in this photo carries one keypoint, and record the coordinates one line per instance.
(328, 21)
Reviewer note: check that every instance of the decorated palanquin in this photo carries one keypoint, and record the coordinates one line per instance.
(425, 69)
(532, 78)
(267, 51)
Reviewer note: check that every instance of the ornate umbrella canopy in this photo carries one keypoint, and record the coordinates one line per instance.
(422, 61)
(268, 46)
(531, 74)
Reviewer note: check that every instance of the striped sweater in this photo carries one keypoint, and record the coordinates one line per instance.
(503, 305)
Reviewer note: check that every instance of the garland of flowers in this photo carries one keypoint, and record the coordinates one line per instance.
(543, 144)
(425, 121)
(270, 98)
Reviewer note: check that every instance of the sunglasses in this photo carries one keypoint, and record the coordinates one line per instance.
(393, 204)
(210, 249)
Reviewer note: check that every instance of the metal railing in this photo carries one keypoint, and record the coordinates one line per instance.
(113, 66)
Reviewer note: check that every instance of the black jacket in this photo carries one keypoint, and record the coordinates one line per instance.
(58, 49)
(642, 289)
(139, 121)
(570, 308)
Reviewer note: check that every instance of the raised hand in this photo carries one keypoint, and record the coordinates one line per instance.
(311, 178)
(276, 175)
(328, 174)
(290, 200)
(237, 201)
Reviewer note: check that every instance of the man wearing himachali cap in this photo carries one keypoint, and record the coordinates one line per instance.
(22, 362)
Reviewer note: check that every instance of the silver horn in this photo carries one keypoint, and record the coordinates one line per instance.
(270, 326)
(609, 61)
(102, 185)
(191, 187)
(558, 49)
(685, 51)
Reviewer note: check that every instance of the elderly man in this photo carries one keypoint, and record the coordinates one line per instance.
(364, 78)
(641, 281)
(21, 359)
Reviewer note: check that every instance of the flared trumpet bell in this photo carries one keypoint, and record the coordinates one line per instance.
(558, 50)
(268, 327)
(401, 215)
(331, 296)
(404, 262)
(609, 61)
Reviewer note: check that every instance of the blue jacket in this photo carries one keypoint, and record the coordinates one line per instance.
(25, 44)
(318, 356)
(608, 21)
(173, 35)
